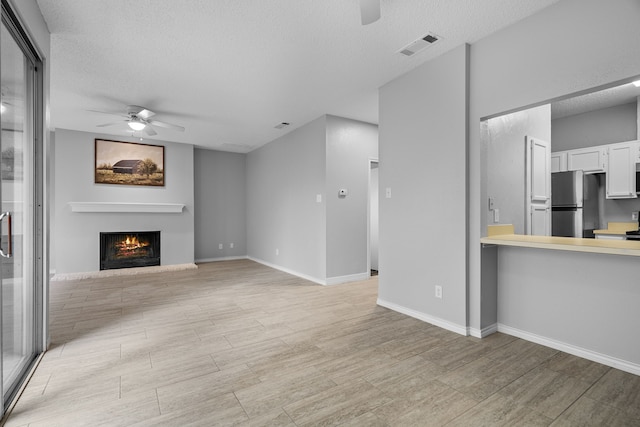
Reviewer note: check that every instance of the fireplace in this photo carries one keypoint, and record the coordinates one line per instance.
(129, 249)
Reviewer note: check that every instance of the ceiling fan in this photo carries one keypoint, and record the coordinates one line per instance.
(139, 118)
(369, 11)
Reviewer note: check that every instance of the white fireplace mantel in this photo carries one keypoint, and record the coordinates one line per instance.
(124, 207)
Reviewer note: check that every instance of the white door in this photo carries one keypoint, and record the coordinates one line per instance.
(373, 216)
(19, 201)
(538, 187)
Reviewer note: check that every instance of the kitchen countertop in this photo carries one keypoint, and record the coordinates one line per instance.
(612, 247)
(618, 228)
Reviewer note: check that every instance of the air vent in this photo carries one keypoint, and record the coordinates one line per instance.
(282, 125)
(420, 44)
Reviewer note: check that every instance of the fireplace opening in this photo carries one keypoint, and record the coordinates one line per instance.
(129, 249)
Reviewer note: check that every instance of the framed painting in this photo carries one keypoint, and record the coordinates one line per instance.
(129, 163)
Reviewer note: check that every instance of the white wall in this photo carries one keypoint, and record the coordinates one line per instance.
(220, 204)
(350, 145)
(76, 239)
(571, 46)
(284, 178)
(423, 145)
(504, 143)
(604, 126)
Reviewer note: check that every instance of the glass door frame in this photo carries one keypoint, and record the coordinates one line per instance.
(40, 276)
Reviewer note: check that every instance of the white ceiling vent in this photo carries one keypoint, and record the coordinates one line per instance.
(420, 44)
(282, 125)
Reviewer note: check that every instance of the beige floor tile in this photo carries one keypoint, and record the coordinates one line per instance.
(498, 411)
(423, 402)
(238, 343)
(547, 392)
(337, 405)
(620, 390)
(586, 412)
(200, 389)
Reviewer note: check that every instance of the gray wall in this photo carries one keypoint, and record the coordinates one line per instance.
(423, 144)
(350, 145)
(76, 239)
(605, 126)
(284, 178)
(543, 57)
(591, 308)
(220, 204)
(505, 148)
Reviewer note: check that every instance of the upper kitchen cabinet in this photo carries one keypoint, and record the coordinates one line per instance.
(559, 161)
(589, 160)
(621, 170)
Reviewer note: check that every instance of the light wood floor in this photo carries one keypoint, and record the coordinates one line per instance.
(237, 343)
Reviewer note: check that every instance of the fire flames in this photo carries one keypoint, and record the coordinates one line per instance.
(131, 247)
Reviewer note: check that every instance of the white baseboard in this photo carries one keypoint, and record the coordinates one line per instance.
(224, 258)
(123, 272)
(444, 324)
(289, 271)
(594, 356)
(484, 332)
(337, 280)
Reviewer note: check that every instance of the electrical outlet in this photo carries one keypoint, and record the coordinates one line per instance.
(496, 215)
(438, 291)
(220, 246)
(277, 251)
(634, 216)
(231, 245)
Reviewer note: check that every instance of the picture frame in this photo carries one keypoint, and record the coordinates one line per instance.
(128, 163)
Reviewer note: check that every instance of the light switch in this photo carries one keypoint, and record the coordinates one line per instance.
(388, 193)
(319, 198)
(491, 203)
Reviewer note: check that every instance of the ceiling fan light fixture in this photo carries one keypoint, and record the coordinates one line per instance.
(136, 124)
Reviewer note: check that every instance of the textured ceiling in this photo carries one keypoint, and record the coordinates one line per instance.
(230, 70)
(618, 95)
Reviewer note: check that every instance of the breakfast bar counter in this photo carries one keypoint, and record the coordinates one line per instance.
(574, 244)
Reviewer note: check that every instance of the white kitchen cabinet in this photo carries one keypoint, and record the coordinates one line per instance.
(559, 161)
(589, 160)
(621, 170)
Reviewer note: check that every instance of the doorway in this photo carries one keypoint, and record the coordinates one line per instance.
(373, 217)
(21, 249)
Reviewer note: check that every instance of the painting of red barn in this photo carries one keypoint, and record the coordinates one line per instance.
(129, 163)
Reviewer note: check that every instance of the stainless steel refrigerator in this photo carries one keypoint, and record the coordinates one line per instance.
(574, 204)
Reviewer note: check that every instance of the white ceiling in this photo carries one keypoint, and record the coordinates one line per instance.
(230, 70)
(611, 97)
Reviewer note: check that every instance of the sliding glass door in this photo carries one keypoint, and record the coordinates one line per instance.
(20, 327)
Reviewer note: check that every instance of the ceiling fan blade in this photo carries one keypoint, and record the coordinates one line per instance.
(108, 124)
(369, 11)
(145, 114)
(149, 130)
(108, 112)
(165, 125)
